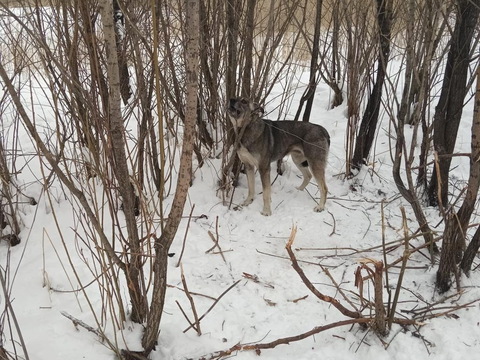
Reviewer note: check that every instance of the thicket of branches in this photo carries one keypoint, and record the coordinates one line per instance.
(129, 83)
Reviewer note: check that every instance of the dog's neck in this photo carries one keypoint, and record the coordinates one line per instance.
(249, 132)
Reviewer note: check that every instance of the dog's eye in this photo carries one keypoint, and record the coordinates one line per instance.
(244, 101)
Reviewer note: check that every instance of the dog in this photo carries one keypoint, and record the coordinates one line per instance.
(263, 141)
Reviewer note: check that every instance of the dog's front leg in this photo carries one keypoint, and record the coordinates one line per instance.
(267, 190)
(250, 170)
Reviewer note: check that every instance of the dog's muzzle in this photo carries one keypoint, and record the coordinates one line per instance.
(232, 108)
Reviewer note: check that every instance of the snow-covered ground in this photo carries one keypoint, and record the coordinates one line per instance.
(270, 301)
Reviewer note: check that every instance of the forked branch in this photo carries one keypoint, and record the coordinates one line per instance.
(311, 287)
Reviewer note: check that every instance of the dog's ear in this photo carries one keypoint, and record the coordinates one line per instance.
(257, 110)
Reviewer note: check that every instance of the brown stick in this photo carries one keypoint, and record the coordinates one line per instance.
(405, 258)
(216, 241)
(284, 341)
(192, 325)
(192, 303)
(76, 322)
(185, 236)
(380, 325)
(385, 262)
(311, 287)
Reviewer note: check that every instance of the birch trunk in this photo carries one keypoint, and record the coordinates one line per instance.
(116, 131)
(163, 243)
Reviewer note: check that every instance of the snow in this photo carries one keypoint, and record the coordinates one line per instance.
(270, 300)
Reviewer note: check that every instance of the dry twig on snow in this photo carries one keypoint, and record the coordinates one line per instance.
(311, 287)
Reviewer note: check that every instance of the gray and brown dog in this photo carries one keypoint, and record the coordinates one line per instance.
(264, 141)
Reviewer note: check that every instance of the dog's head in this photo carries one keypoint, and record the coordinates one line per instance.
(241, 111)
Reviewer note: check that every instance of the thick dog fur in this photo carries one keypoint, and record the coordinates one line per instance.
(264, 141)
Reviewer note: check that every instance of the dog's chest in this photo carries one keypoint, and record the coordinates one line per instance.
(246, 156)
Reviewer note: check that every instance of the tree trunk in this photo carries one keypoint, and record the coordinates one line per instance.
(233, 8)
(471, 252)
(368, 126)
(233, 14)
(409, 192)
(116, 132)
(8, 201)
(120, 32)
(211, 97)
(456, 227)
(433, 29)
(163, 243)
(80, 114)
(410, 60)
(448, 111)
(447, 265)
(336, 68)
(99, 83)
(309, 94)
(248, 36)
(357, 60)
(312, 83)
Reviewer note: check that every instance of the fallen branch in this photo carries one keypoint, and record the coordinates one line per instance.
(311, 287)
(431, 312)
(76, 322)
(255, 279)
(283, 341)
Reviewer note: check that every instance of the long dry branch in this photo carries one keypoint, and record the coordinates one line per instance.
(283, 341)
(311, 287)
(77, 322)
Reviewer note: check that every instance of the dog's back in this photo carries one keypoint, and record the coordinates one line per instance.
(289, 135)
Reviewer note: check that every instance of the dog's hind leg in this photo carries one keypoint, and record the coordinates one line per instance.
(319, 174)
(267, 190)
(302, 165)
(250, 170)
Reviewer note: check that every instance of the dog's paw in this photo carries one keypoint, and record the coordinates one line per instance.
(247, 202)
(266, 212)
(318, 208)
